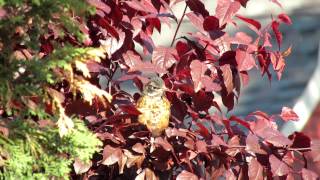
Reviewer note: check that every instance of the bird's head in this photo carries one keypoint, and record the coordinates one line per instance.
(155, 87)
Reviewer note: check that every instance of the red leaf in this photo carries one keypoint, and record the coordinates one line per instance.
(227, 99)
(244, 60)
(145, 41)
(277, 33)
(185, 175)
(202, 100)
(136, 64)
(139, 148)
(175, 132)
(211, 23)
(131, 59)
(264, 65)
(250, 21)
(243, 38)
(278, 63)
(300, 140)
(244, 77)
(178, 108)
(240, 121)
(130, 109)
(94, 66)
(182, 48)
(111, 155)
(266, 42)
(227, 77)
(252, 144)
(100, 5)
(204, 132)
(199, 79)
(267, 130)
(275, 137)
(259, 115)
(196, 20)
(145, 6)
(255, 170)
(146, 174)
(127, 77)
(164, 143)
(315, 150)
(243, 2)
(285, 19)
(288, 114)
(217, 141)
(80, 167)
(228, 57)
(309, 175)
(153, 23)
(198, 7)
(233, 142)
(163, 57)
(105, 24)
(226, 9)
(201, 147)
(278, 168)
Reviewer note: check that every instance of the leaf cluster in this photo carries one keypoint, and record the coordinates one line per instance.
(204, 72)
(64, 64)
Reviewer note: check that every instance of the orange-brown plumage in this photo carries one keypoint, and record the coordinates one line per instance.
(154, 107)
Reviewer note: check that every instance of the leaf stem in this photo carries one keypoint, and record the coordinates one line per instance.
(179, 24)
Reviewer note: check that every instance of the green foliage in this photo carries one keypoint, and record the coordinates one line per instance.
(30, 150)
(40, 153)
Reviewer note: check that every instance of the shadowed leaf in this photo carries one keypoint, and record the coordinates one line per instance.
(278, 167)
(185, 175)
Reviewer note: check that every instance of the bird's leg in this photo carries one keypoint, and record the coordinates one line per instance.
(152, 144)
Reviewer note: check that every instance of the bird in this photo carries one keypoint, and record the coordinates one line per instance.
(154, 107)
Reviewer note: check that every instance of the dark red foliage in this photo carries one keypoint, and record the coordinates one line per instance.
(203, 72)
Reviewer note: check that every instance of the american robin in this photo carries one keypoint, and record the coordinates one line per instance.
(154, 107)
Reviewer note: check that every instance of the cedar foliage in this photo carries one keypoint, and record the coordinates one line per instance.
(38, 140)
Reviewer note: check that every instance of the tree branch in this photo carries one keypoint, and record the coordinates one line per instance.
(179, 24)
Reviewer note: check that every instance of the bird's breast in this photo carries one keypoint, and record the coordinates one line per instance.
(155, 112)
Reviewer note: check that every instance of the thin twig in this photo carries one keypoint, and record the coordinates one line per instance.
(300, 149)
(180, 21)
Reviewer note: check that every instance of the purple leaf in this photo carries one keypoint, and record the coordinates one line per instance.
(164, 57)
(277, 33)
(199, 79)
(278, 168)
(255, 170)
(250, 21)
(211, 23)
(226, 9)
(244, 60)
(198, 7)
(309, 175)
(185, 175)
(227, 77)
(285, 19)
